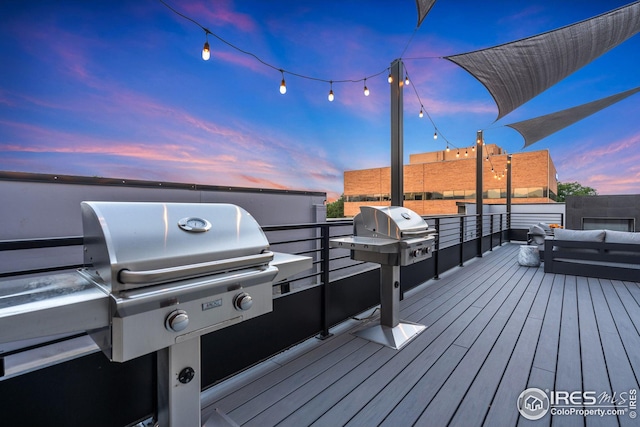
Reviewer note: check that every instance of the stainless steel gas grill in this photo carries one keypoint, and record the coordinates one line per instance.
(392, 236)
(174, 271)
(165, 274)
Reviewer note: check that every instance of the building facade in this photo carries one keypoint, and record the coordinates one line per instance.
(436, 182)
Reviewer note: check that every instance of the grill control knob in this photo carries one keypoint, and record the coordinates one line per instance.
(243, 301)
(177, 321)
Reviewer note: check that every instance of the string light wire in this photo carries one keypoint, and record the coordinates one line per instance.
(283, 88)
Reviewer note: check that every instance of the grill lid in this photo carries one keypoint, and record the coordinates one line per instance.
(392, 222)
(131, 245)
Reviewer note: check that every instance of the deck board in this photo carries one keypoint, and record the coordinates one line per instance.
(494, 328)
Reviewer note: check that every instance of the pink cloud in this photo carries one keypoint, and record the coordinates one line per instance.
(242, 60)
(218, 12)
(263, 182)
(593, 166)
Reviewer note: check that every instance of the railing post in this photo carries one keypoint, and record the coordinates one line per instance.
(436, 252)
(501, 229)
(324, 274)
(462, 241)
(491, 232)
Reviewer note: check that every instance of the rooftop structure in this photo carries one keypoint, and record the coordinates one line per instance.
(434, 182)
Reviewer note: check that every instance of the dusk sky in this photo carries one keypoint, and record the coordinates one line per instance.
(118, 89)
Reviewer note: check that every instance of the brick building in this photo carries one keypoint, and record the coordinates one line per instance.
(436, 182)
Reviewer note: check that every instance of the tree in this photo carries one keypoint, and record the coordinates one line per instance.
(574, 189)
(336, 209)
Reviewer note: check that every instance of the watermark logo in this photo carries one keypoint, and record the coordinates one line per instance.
(533, 403)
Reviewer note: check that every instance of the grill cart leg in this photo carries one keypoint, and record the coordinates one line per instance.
(179, 384)
(391, 331)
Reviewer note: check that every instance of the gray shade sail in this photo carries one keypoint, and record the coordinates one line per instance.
(424, 6)
(533, 130)
(516, 72)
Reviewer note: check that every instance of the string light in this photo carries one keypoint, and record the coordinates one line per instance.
(283, 85)
(206, 52)
(458, 153)
(448, 147)
(466, 152)
(421, 115)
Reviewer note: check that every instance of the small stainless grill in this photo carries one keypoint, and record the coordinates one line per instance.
(157, 276)
(391, 236)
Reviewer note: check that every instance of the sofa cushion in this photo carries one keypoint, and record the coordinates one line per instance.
(627, 237)
(579, 235)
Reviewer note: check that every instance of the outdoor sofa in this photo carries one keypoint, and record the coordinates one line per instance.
(604, 254)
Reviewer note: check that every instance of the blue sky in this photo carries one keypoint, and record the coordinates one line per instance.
(119, 89)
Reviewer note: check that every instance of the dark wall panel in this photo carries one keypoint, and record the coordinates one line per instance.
(235, 348)
(89, 391)
(354, 294)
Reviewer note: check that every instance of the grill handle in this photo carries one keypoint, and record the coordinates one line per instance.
(418, 233)
(163, 275)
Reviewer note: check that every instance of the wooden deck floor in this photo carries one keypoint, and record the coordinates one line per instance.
(494, 329)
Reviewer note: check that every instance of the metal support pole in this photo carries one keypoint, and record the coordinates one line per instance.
(397, 131)
(509, 193)
(479, 190)
(325, 282)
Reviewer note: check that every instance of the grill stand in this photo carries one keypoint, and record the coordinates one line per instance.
(391, 332)
(179, 401)
(178, 396)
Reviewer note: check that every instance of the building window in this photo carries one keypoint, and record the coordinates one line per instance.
(493, 193)
(414, 196)
(536, 192)
(520, 193)
(459, 194)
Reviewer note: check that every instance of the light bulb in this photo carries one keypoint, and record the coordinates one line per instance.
(206, 53)
(366, 91)
(435, 136)
(448, 148)
(458, 153)
(406, 80)
(390, 78)
(466, 152)
(421, 115)
(473, 148)
(283, 87)
(330, 97)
